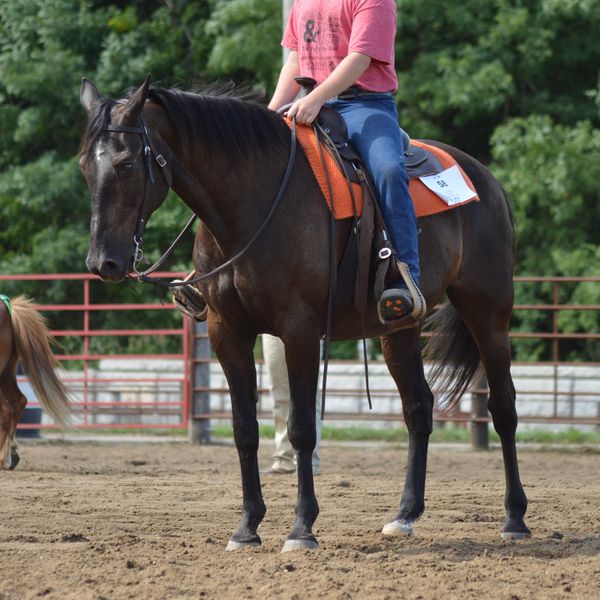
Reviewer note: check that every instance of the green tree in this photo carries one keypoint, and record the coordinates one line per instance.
(246, 41)
(466, 67)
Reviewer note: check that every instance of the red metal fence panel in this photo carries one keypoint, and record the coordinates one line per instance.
(108, 398)
(143, 396)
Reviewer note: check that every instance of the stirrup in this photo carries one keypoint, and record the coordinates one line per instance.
(420, 306)
(189, 300)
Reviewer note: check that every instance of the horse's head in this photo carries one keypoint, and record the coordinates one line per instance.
(117, 160)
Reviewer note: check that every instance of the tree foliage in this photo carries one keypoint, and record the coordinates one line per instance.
(514, 83)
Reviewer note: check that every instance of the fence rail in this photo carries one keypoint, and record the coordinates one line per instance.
(110, 397)
(110, 393)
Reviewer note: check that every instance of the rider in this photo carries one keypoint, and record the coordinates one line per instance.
(347, 46)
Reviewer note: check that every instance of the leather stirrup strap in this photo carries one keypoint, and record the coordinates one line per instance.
(365, 242)
(361, 295)
(332, 272)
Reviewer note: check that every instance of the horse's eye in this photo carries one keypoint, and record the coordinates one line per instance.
(123, 168)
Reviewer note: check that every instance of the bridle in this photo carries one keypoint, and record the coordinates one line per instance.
(149, 156)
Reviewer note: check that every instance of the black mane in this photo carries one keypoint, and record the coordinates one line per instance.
(226, 120)
(230, 123)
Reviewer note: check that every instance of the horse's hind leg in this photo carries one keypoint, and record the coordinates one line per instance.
(403, 357)
(494, 346)
(489, 327)
(235, 353)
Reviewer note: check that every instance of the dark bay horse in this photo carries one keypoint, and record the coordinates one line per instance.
(226, 158)
(24, 338)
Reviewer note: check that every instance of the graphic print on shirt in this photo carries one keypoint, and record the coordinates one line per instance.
(310, 35)
(321, 43)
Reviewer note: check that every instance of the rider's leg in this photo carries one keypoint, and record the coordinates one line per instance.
(373, 128)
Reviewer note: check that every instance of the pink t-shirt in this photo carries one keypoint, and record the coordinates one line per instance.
(324, 32)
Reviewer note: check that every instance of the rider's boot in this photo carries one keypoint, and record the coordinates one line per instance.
(395, 302)
(401, 299)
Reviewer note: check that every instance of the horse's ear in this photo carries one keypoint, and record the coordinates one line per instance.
(89, 96)
(136, 102)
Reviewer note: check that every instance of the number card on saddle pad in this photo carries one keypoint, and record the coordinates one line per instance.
(452, 183)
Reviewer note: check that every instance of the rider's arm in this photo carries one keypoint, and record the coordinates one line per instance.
(342, 77)
(287, 88)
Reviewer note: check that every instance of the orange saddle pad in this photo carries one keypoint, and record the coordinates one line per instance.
(425, 201)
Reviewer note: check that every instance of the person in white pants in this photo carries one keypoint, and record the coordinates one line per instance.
(284, 457)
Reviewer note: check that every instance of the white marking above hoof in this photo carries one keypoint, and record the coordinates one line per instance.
(398, 528)
(232, 545)
(6, 462)
(515, 535)
(292, 545)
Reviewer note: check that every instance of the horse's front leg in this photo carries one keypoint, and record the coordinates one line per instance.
(235, 353)
(403, 358)
(6, 431)
(9, 457)
(302, 358)
(15, 459)
(12, 404)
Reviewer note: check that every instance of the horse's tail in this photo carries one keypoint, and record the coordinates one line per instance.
(454, 352)
(32, 342)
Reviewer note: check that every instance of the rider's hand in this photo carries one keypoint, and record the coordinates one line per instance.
(305, 109)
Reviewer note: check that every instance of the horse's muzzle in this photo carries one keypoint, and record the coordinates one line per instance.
(109, 269)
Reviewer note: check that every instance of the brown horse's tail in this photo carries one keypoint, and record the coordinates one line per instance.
(32, 341)
(454, 352)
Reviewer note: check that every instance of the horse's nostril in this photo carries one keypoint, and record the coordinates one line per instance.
(110, 269)
(110, 265)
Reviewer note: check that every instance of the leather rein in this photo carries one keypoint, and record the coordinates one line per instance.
(149, 154)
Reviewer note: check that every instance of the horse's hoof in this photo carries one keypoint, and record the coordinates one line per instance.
(233, 546)
(398, 528)
(516, 535)
(293, 545)
(515, 529)
(15, 459)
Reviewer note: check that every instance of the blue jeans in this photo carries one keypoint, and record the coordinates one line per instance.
(373, 128)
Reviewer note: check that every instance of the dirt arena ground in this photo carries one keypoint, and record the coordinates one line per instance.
(92, 521)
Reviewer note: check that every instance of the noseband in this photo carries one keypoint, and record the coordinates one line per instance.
(148, 154)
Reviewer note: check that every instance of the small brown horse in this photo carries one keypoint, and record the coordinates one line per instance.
(226, 159)
(24, 338)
